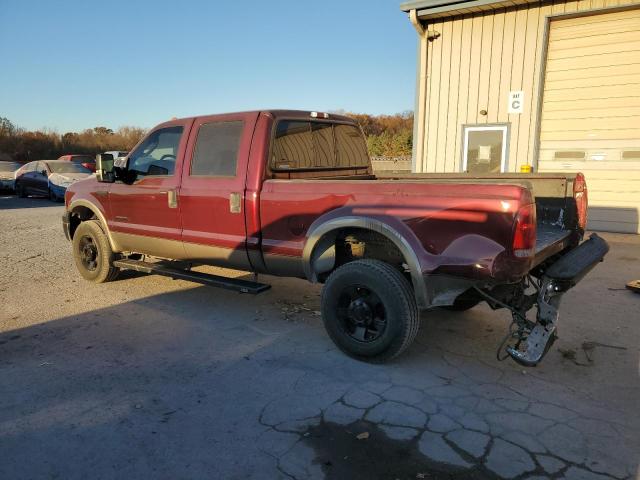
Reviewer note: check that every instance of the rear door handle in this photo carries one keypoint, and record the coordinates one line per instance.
(234, 203)
(172, 199)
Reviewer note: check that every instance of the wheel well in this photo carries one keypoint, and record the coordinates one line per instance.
(79, 215)
(348, 244)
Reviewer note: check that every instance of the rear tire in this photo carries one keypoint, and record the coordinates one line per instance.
(92, 253)
(369, 310)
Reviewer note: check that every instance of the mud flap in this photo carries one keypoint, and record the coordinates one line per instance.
(563, 275)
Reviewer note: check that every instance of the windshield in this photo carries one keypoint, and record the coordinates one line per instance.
(68, 167)
(9, 166)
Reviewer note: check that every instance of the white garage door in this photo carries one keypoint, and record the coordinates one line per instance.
(591, 112)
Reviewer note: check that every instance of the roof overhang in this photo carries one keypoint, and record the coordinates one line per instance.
(432, 9)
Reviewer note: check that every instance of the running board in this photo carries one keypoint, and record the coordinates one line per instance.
(161, 268)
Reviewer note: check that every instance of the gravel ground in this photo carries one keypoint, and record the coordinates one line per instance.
(148, 377)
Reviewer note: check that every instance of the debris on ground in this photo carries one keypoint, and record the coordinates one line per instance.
(634, 286)
(587, 347)
(362, 436)
(290, 309)
(571, 354)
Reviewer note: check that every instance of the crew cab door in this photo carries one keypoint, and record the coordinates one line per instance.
(212, 194)
(144, 215)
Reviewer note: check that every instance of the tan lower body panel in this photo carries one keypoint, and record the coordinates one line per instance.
(176, 250)
(280, 265)
(156, 247)
(284, 265)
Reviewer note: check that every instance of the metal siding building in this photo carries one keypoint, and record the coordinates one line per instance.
(554, 85)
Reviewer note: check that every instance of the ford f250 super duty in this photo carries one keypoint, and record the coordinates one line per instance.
(292, 193)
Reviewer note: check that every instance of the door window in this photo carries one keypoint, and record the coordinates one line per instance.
(216, 151)
(157, 154)
(485, 149)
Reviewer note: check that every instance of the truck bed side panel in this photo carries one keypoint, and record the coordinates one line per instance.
(454, 229)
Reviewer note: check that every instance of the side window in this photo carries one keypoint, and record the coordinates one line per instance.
(157, 154)
(216, 151)
(30, 167)
(351, 148)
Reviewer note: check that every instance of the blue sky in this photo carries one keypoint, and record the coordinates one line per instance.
(70, 65)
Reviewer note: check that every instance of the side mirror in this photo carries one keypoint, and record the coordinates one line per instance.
(104, 168)
(43, 173)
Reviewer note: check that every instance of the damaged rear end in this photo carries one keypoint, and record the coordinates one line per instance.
(547, 234)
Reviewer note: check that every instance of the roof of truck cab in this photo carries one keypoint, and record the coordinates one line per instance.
(277, 113)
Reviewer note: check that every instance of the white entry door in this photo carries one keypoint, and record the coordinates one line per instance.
(484, 148)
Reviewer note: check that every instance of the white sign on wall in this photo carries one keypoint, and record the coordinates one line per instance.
(516, 101)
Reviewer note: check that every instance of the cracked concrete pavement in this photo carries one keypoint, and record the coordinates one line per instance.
(147, 377)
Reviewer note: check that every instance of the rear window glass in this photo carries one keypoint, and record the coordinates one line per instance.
(315, 145)
(216, 152)
(351, 149)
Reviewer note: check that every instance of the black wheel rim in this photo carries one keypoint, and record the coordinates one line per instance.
(88, 253)
(361, 314)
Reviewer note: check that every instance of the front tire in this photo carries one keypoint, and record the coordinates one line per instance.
(369, 310)
(92, 253)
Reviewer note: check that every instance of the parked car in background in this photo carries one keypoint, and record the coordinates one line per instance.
(87, 161)
(49, 177)
(7, 174)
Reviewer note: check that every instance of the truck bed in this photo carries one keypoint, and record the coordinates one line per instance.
(553, 192)
(550, 240)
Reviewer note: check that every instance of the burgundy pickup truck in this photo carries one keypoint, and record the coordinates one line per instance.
(292, 193)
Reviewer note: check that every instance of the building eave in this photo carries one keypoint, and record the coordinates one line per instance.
(430, 9)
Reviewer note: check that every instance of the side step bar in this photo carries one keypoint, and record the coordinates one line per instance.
(161, 268)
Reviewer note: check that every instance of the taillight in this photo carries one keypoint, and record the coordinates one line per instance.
(524, 231)
(581, 198)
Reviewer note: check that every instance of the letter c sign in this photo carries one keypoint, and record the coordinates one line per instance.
(516, 102)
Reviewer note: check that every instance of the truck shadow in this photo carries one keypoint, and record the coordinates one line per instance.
(181, 380)
(115, 387)
(12, 202)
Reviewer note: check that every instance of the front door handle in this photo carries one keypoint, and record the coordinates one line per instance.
(172, 199)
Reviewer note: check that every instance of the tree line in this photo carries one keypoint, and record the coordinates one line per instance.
(23, 145)
(387, 136)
